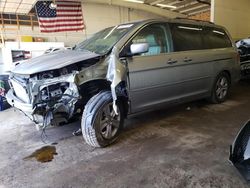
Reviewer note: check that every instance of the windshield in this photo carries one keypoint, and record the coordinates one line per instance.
(104, 40)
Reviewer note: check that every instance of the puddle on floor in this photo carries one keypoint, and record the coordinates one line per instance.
(44, 154)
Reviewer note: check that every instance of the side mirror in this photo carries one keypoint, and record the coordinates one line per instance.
(139, 48)
(240, 151)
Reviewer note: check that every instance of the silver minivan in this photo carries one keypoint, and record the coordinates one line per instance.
(124, 70)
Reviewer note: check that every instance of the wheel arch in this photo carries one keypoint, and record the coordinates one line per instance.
(122, 96)
(228, 73)
(92, 87)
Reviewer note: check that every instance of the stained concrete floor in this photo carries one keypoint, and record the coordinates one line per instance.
(185, 146)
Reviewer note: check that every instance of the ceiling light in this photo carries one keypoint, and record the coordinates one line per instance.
(134, 1)
(166, 6)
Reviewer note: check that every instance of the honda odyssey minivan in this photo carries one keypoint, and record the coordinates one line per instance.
(124, 70)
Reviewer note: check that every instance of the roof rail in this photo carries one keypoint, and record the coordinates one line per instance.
(180, 18)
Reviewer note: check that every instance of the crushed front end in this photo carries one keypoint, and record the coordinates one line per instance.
(46, 98)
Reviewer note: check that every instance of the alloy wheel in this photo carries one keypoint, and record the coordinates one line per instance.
(109, 121)
(222, 87)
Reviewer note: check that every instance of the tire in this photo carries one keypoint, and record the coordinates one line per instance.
(220, 88)
(100, 125)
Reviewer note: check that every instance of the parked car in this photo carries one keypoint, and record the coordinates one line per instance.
(244, 51)
(125, 70)
(240, 151)
(243, 46)
(4, 87)
(20, 55)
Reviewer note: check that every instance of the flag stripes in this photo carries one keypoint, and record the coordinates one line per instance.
(66, 17)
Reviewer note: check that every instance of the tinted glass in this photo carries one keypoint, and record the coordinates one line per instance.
(156, 35)
(216, 38)
(187, 37)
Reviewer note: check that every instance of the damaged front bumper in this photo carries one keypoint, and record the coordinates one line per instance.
(48, 96)
(17, 103)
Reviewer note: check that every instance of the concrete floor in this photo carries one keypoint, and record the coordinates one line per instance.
(178, 147)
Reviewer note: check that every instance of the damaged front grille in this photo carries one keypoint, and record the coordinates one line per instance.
(53, 92)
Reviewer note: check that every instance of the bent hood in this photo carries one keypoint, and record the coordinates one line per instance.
(52, 61)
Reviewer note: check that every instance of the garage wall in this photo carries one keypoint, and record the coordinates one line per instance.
(96, 17)
(234, 15)
(204, 16)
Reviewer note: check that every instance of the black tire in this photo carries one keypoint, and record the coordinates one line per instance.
(220, 88)
(95, 118)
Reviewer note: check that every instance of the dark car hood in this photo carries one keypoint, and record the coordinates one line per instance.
(52, 61)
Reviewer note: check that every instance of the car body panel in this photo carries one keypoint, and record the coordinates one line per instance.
(150, 81)
(60, 59)
(153, 83)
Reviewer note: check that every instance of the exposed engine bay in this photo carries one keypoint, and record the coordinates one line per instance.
(55, 96)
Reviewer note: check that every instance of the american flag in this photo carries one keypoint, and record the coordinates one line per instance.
(67, 16)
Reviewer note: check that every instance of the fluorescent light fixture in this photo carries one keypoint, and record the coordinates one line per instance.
(166, 6)
(134, 1)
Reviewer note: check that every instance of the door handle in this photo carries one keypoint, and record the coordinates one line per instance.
(170, 62)
(186, 59)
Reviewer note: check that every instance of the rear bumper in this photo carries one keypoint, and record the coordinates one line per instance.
(19, 104)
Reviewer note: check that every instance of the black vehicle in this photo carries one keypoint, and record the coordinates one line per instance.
(244, 51)
(240, 151)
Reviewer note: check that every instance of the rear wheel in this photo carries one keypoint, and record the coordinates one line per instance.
(221, 88)
(100, 125)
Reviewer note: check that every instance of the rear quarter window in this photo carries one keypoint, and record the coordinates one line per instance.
(187, 37)
(216, 38)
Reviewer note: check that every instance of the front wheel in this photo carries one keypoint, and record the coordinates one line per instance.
(220, 88)
(100, 125)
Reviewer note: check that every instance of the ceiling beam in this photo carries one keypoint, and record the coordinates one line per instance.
(204, 2)
(193, 8)
(191, 13)
(156, 2)
(144, 7)
(185, 5)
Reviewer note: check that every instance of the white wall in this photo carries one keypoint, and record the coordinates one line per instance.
(234, 15)
(96, 17)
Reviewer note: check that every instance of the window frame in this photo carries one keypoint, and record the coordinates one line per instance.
(168, 37)
(207, 29)
(18, 20)
(188, 25)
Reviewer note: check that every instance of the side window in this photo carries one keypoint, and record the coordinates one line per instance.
(187, 37)
(216, 38)
(157, 37)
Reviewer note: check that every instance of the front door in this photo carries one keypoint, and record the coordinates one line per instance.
(154, 76)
